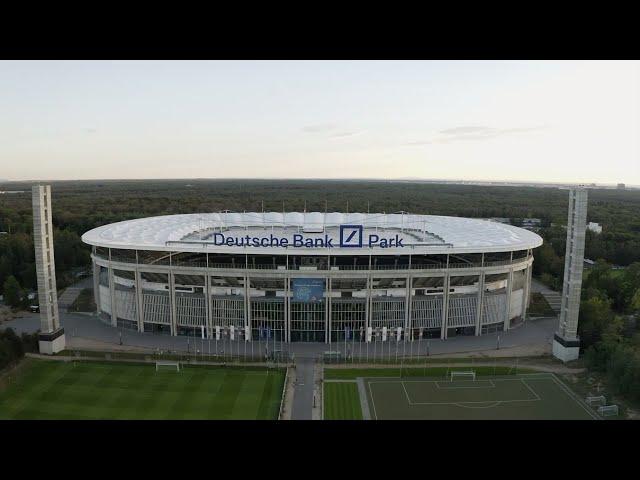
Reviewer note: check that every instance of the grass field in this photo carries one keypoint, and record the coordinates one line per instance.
(341, 401)
(502, 396)
(91, 390)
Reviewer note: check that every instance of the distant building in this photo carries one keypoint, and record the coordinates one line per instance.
(594, 227)
(500, 220)
(621, 186)
(531, 223)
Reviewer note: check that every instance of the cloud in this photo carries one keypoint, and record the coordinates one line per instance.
(319, 128)
(466, 130)
(347, 134)
(90, 130)
(473, 133)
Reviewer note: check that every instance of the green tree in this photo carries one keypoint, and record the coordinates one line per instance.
(12, 291)
(595, 316)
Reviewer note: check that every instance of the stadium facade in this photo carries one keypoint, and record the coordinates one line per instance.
(312, 277)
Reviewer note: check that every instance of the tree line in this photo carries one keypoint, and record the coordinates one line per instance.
(608, 325)
(79, 206)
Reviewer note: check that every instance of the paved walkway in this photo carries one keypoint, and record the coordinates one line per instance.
(87, 331)
(304, 389)
(69, 296)
(553, 298)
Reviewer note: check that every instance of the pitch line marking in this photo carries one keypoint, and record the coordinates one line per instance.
(464, 404)
(566, 390)
(373, 403)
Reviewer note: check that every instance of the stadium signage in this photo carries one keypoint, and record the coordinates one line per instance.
(351, 236)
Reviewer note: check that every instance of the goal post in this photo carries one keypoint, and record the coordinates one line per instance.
(464, 374)
(167, 363)
(599, 401)
(608, 410)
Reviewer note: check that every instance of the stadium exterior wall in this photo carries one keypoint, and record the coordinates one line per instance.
(313, 295)
(170, 305)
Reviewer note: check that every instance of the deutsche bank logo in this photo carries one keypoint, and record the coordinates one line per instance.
(351, 236)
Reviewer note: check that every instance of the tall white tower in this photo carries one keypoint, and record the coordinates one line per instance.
(51, 339)
(566, 344)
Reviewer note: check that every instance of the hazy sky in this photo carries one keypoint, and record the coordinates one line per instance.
(507, 120)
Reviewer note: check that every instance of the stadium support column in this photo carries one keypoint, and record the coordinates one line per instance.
(526, 292)
(139, 303)
(207, 294)
(566, 344)
(368, 310)
(480, 303)
(507, 313)
(407, 308)
(96, 284)
(112, 294)
(328, 310)
(51, 338)
(445, 307)
(247, 306)
(287, 309)
(172, 299)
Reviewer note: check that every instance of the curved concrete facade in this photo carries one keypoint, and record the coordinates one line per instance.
(432, 285)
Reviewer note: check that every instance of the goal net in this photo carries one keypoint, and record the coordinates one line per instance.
(608, 410)
(459, 374)
(599, 400)
(167, 364)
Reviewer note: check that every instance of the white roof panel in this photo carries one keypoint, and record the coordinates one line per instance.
(420, 233)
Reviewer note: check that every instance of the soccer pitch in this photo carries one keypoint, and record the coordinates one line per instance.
(536, 396)
(87, 390)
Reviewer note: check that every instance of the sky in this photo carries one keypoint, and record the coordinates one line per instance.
(541, 121)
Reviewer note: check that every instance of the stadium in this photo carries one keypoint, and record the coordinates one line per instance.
(312, 276)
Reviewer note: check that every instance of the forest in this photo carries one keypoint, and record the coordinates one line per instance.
(79, 206)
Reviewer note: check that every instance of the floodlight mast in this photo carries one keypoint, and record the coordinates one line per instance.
(51, 338)
(566, 344)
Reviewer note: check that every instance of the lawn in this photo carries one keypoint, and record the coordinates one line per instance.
(508, 397)
(46, 389)
(341, 401)
(430, 394)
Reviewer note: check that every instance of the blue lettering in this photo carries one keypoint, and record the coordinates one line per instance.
(297, 240)
(328, 241)
(218, 239)
(373, 239)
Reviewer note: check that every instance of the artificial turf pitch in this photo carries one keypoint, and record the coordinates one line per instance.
(90, 390)
(540, 396)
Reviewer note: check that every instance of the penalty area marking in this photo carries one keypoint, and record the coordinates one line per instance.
(469, 404)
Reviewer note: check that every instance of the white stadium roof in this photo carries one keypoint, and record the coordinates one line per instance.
(419, 234)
